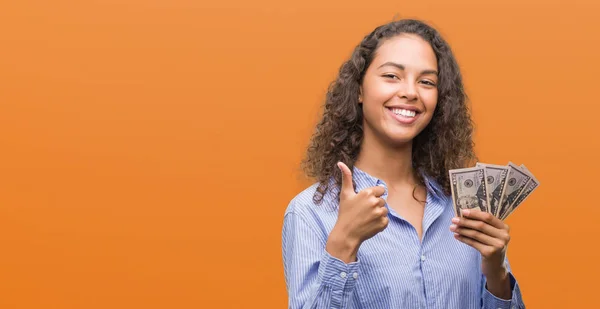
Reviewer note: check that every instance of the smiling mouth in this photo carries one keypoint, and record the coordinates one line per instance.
(404, 112)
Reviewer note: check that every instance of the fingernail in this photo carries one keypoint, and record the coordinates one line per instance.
(453, 227)
(455, 220)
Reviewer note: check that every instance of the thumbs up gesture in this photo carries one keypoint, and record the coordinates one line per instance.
(360, 216)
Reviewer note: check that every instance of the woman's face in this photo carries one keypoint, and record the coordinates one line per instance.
(399, 91)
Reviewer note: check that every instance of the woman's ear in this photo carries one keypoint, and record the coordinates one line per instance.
(360, 99)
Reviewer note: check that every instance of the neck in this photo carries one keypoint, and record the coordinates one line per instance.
(393, 165)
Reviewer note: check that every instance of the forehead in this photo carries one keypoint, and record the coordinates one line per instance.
(410, 50)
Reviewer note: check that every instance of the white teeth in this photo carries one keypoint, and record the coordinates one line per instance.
(404, 112)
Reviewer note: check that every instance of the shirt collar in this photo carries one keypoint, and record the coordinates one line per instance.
(364, 180)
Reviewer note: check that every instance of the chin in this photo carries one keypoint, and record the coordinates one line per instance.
(402, 133)
(401, 139)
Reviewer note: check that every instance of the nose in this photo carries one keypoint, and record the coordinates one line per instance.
(407, 91)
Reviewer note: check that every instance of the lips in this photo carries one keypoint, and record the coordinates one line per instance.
(404, 115)
(404, 112)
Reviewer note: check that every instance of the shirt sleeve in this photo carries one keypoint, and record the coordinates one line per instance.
(490, 301)
(314, 279)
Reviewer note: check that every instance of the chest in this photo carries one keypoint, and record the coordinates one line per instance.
(409, 208)
(398, 271)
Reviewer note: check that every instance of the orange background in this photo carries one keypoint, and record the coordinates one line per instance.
(149, 148)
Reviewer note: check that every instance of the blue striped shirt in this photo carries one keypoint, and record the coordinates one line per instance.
(394, 269)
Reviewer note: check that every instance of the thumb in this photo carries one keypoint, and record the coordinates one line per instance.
(347, 188)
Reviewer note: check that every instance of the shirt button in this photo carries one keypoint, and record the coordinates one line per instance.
(422, 258)
(343, 274)
(355, 275)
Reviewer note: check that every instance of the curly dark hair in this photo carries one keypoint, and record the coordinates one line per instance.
(446, 143)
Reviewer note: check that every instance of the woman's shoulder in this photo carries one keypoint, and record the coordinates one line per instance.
(302, 199)
(306, 212)
(310, 200)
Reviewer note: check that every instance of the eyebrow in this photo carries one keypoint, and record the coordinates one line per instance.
(401, 67)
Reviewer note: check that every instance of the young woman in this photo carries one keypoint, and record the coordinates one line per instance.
(378, 230)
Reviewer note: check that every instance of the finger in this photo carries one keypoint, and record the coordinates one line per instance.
(384, 222)
(375, 201)
(480, 226)
(383, 212)
(347, 187)
(483, 249)
(377, 191)
(483, 216)
(478, 236)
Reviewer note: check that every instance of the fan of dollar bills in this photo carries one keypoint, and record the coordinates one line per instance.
(504, 189)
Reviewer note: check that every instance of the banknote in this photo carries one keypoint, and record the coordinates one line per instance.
(515, 183)
(495, 179)
(468, 188)
(497, 189)
(531, 185)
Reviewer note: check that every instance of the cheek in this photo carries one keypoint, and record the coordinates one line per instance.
(371, 110)
(430, 102)
(380, 92)
(429, 99)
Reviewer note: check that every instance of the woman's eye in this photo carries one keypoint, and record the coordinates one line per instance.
(390, 76)
(427, 82)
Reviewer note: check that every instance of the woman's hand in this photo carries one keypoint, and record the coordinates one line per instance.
(490, 236)
(360, 216)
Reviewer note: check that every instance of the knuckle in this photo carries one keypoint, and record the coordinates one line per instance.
(373, 201)
(499, 245)
(479, 225)
(385, 221)
(384, 225)
(506, 227)
(487, 252)
(381, 212)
